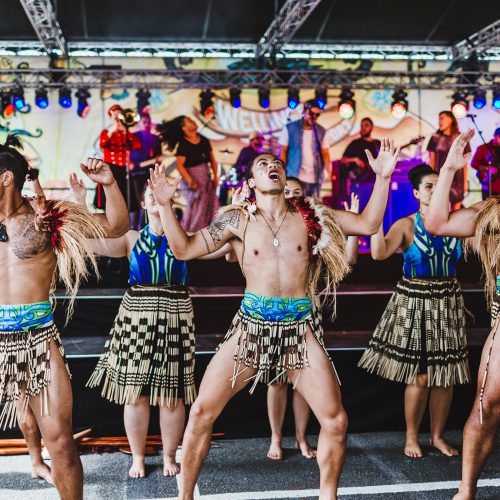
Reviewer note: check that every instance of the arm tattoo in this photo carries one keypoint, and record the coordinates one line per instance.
(206, 242)
(218, 226)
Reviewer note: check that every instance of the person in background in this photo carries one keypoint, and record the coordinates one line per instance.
(486, 161)
(305, 155)
(438, 147)
(197, 166)
(247, 154)
(142, 159)
(113, 144)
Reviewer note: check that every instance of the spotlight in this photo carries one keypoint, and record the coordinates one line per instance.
(207, 103)
(293, 98)
(496, 98)
(399, 106)
(83, 107)
(347, 105)
(321, 97)
(264, 100)
(143, 96)
(479, 98)
(235, 97)
(18, 98)
(65, 97)
(6, 107)
(41, 98)
(459, 106)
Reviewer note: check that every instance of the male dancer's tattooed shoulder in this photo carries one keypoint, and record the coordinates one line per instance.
(25, 240)
(227, 219)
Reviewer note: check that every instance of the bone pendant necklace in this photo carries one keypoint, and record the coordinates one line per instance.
(276, 241)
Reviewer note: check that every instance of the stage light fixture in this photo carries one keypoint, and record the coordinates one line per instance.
(264, 99)
(207, 103)
(293, 97)
(479, 100)
(65, 97)
(6, 107)
(143, 96)
(347, 105)
(496, 98)
(321, 97)
(459, 105)
(235, 97)
(18, 98)
(83, 107)
(399, 106)
(41, 98)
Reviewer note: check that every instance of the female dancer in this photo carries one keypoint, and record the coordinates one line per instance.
(195, 159)
(420, 339)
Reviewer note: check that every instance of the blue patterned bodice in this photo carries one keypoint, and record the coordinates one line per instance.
(153, 263)
(431, 256)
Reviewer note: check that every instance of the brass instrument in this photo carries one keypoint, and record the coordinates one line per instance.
(129, 117)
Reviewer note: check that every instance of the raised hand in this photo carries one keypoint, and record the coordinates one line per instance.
(385, 163)
(354, 208)
(457, 159)
(77, 189)
(241, 194)
(163, 189)
(98, 171)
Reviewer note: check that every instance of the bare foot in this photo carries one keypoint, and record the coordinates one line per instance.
(170, 466)
(412, 449)
(42, 471)
(275, 451)
(306, 450)
(445, 448)
(137, 470)
(463, 496)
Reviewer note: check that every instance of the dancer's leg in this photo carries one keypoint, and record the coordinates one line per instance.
(215, 392)
(172, 426)
(301, 413)
(136, 419)
(479, 438)
(57, 432)
(276, 407)
(33, 438)
(319, 386)
(416, 396)
(439, 408)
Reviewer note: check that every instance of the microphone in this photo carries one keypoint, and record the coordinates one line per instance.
(470, 115)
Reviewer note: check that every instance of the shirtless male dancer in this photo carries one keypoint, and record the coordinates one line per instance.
(273, 331)
(480, 223)
(35, 245)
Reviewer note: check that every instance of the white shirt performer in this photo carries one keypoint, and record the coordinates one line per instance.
(283, 249)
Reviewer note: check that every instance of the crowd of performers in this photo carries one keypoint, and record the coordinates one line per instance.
(286, 245)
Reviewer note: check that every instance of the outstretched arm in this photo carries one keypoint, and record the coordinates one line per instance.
(439, 220)
(382, 247)
(206, 241)
(352, 245)
(368, 222)
(115, 221)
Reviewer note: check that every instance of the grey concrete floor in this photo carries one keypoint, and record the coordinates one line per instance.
(239, 470)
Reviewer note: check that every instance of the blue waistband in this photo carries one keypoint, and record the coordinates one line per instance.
(276, 308)
(25, 317)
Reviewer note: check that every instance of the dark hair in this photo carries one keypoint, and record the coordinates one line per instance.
(12, 160)
(145, 115)
(416, 174)
(367, 119)
(171, 132)
(251, 163)
(297, 180)
(454, 124)
(311, 103)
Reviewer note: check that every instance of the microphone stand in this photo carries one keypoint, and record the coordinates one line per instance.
(128, 149)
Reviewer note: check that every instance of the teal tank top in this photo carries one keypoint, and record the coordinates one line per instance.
(431, 256)
(153, 263)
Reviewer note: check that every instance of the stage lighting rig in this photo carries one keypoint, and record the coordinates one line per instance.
(18, 98)
(264, 99)
(495, 102)
(207, 103)
(293, 97)
(479, 100)
(347, 105)
(83, 107)
(143, 96)
(235, 97)
(65, 97)
(321, 97)
(41, 98)
(459, 105)
(399, 106)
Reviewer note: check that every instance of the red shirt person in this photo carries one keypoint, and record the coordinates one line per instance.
(487, 163)
(114, 149)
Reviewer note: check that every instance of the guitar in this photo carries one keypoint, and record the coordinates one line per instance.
(149, 163)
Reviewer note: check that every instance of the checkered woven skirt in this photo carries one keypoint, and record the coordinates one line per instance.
(25, 363)
(150, 350)
(420, 310)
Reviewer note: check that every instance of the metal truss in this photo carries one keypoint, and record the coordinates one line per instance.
(478, 42)
(284, 25)
(108, 78)
(43, 19)
(289, 51)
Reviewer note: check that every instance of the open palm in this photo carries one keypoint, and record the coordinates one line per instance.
(98, 171)
(77, 189)
(163, 189)
(457, 159)
(386, 160)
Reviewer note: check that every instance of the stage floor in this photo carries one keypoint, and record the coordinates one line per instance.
(375, 469)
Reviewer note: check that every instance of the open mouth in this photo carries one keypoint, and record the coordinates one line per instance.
(274, 176)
